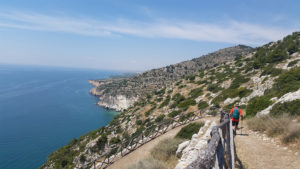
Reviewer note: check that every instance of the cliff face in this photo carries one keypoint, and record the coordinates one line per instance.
(121, 93)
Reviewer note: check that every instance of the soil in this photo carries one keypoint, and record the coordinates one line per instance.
(255, 151)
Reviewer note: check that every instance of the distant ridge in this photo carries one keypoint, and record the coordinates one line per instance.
(131, 88)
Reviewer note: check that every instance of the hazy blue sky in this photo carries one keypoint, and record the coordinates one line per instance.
(136, 34)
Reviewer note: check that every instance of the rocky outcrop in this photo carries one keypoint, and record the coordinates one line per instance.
(193, 147)
(118, 102)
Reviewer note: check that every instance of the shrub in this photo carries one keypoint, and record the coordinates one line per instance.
(201, 82)
(291, 108)
(213, 88)
(139, 122)
(150, 111)
(186, 116)
(196, 92)
(257, 104)
(115, 140)
(270, 70)
(82, 158)
(160, 118)
(231, 93)
(186, 103)
(165, 102)
(181, 86)
(190, 77)
(238, 81)
(292, 63)
(178, 98)
(288, 81)
(174, 113)
(188, 131)
(202, 105)
(138, 131)
(160, 92)
(101, 142)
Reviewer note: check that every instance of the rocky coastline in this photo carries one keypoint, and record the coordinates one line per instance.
(117, 102)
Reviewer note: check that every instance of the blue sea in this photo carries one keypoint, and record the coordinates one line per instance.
(42, 109)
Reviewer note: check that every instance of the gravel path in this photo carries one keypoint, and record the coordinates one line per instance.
(260, 152)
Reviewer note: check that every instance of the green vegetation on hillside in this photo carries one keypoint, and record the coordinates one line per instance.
(188, 131)
(291, 108)
(257, 104)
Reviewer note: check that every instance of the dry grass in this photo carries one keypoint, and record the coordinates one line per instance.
(148, 163)
(282, 126)
(165, 151)
(163, 156)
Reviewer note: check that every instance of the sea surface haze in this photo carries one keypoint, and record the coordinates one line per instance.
(42, 109)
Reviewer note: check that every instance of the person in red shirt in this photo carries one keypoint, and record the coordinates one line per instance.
(235, 114)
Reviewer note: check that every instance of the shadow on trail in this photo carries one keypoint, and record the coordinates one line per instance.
(238, 162)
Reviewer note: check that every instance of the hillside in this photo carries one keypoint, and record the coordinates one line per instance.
(263, 81)
(120, 93)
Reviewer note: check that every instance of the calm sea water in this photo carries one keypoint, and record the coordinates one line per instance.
(42, 109)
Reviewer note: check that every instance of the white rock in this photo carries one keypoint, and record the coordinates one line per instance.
(182, 146)
(191, 152)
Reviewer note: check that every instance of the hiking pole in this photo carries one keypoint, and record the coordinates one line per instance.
(242, 127)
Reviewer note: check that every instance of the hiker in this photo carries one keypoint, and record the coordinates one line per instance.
(235, 114)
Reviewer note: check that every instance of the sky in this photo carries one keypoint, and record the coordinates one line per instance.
(136, 35)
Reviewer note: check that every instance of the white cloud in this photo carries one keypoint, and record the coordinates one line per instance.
(231, 32)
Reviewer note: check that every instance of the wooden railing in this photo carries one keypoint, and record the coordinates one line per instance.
(219, 152)
(147, 135)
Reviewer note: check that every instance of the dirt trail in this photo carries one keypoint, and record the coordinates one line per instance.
(144, 151)
(259, 152)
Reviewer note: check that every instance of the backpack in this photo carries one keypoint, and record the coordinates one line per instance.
(236, 114)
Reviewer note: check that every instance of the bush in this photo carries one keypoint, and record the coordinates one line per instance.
(174, 113)
(269, 70)
(82, 158)
(202, 105)
(292, 63)
(150, 111)
(139, 122)
(178, 98)
(238, 81)
(115, 140)
(165, 102)
(257, 104)
(291, 108)
(213, 88)
(188, 131)
(196, 92)
(288, 81)
(186, 116)
(186, 103)
(160, 118)
(231, 93)
(101, 142)
(160, 92)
